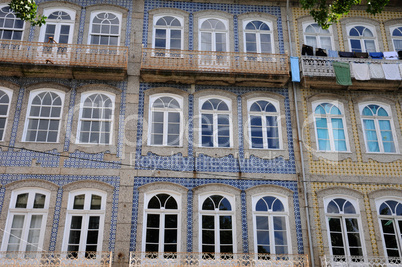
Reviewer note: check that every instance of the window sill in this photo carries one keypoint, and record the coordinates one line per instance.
(217, 152)
(164, 150)
(265, 153)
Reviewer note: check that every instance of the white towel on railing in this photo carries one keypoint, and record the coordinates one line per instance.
(391, 71)
(361, 71)
(392, 55)
(376, 71)
(400, 69)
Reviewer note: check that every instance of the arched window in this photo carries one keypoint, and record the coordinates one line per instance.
(5, 99)
(96, 118)
(162, 223)
(168, 32)
(264, 129)
(105, 28)
(217, 219)
(271, 228)
(396, 35)
(213, 35)
(26, 220)
(378, 128)
(165, 120)
(59, 25)
(44, 114)
(317, 37)
(11, 27)
(390, 216)
(329, 124)
(343, 224)
(85, 220)
(215, 122)
(258, 37)
(362, 38)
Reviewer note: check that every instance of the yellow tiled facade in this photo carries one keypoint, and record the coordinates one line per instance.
(348, 166)
(364, 189)
(382, 17)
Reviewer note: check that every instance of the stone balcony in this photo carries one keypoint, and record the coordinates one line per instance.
(317, 72)
(138, 259)
(363, 261)
(214, 68)
(65, 61)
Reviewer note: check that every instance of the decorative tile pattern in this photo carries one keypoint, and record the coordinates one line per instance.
(52, 158)
(189, 220)
(365, 190)
(192, 7)
(348, 167)
(206, 163)
(190, 184)
(244, 225)
(62, 180)
(80, 159)
(381, 17)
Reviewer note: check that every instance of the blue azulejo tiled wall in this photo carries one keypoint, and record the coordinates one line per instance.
(126, 4)
(204, 163)
(62, 180)
(192, 7)
(191, 183)
(77, 159)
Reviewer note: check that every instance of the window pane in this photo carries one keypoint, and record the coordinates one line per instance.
(39, 202)
(96, 202)
(79, 202)
(22, 200)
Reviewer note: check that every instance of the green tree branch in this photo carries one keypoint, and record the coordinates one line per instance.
(327, 12)
(27, 10)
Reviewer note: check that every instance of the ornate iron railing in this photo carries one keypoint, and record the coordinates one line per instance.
(207, 61)
(52, 259)
(355, 261)
(322, 66)
(218, 259)
(63, 54)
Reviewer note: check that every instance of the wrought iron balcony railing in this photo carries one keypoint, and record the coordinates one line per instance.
(360, 261)
(209, 61)
(322, 66)
(64, 54)
(218, 259)
(59, 259)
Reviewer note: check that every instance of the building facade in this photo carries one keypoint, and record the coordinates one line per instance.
(170, 132)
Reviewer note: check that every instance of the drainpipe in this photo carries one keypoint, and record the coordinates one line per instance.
(300, 145)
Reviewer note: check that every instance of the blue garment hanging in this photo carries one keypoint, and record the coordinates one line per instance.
(295, 69)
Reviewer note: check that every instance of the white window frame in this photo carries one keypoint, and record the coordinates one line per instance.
(215, 114)
(258, 34)
(32, 95)
(377, 126)
(276, 104)
(58, 24)
(213, 34)
(84, 96)
(13, 29)
(342, 218)
(271, 214)
(162, 212)
(95, 13)
(9, 93)
(152, 99)
(27, 212)
(86, 212)
(216, 213)
(395, 220)
(168, 30)
(339, 105)
(362, 38)
(317, 35)
(399, 38)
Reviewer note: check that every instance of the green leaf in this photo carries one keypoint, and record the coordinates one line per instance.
(27, 10)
